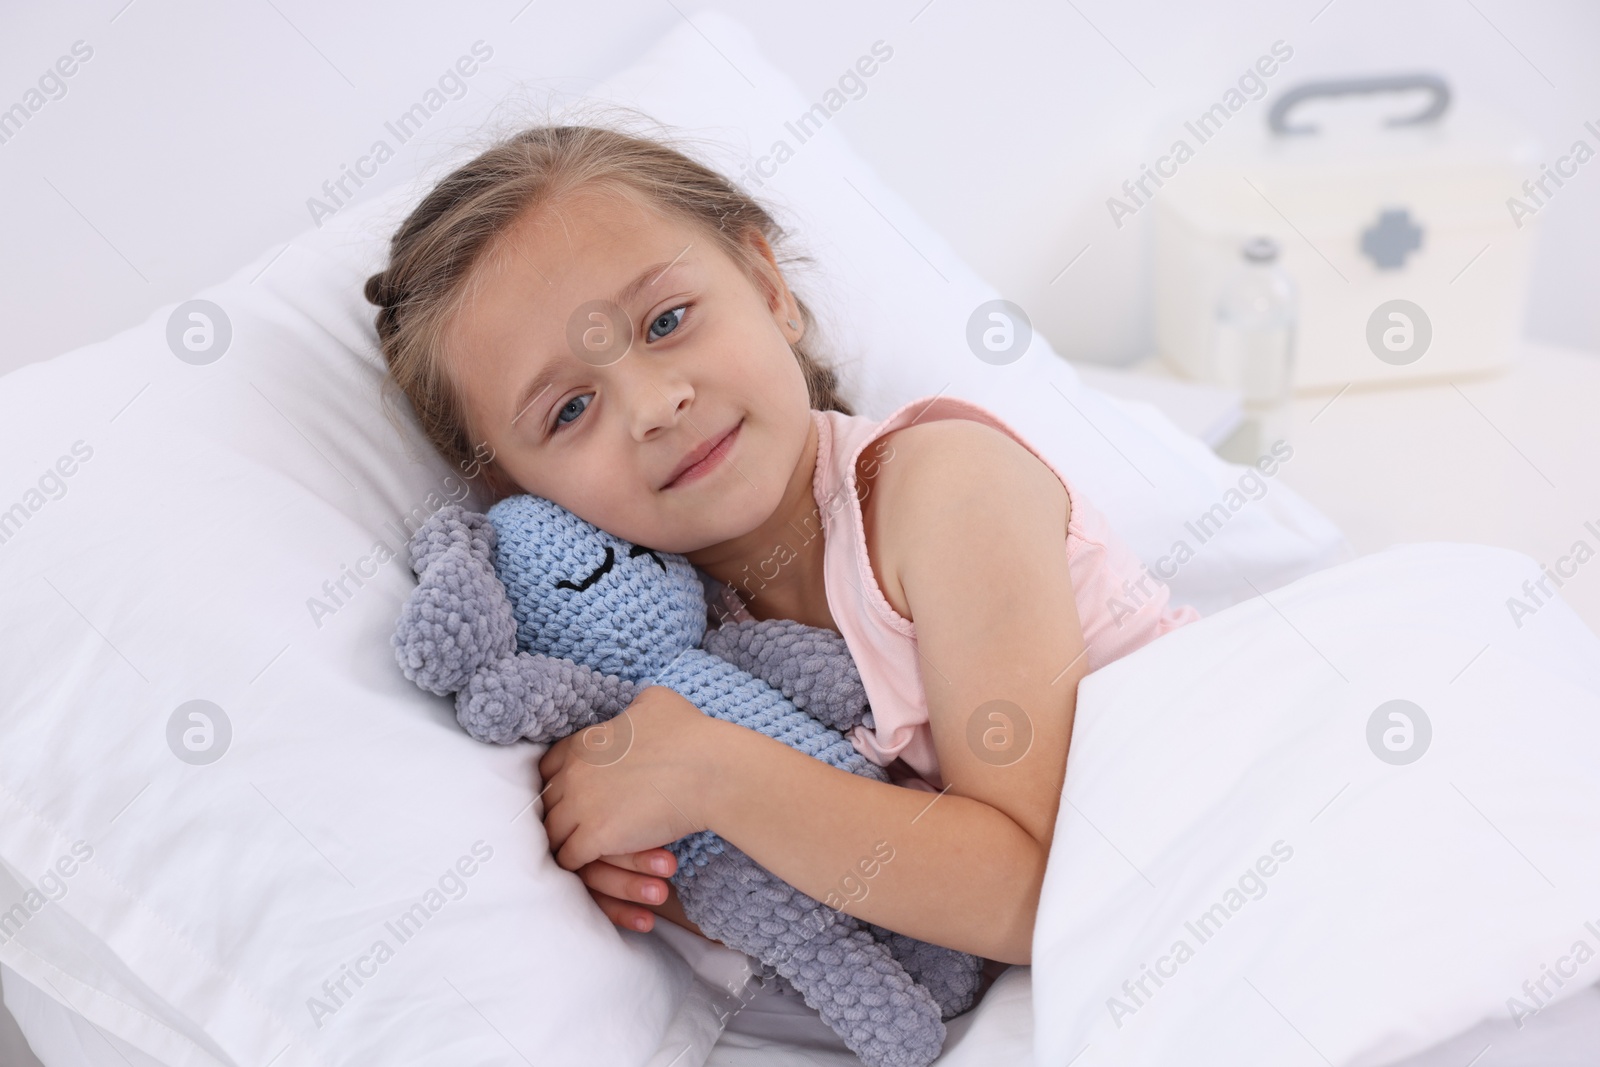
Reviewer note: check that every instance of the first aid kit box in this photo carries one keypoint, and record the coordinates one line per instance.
(1398, 231)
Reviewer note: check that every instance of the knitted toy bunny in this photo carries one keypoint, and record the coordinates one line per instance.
(543, 624)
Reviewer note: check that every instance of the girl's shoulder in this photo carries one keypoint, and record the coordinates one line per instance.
(929, 489)
(932, 431)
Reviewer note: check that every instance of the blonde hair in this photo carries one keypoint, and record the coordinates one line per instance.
(433, 254)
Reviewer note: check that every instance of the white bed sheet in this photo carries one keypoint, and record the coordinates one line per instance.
(774, 1029)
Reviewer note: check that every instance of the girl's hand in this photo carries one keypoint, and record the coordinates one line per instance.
(628, 784)
(619, 883)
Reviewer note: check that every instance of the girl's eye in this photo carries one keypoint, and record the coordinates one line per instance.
(574, 407)
(666, 322)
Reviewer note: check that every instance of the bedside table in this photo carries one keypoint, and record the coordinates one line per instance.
(1511, 459)
(1209, 412)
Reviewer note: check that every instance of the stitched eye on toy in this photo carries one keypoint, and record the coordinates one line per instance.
(599, 572)
(640, 550)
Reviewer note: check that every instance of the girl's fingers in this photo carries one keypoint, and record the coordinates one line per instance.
(624, 914)
(645, 862)
(623, 884)
(619, 889)
(551, 761)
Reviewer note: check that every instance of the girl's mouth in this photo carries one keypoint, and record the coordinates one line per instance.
(710, 461)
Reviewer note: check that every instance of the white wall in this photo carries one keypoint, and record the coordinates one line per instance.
(190, 141)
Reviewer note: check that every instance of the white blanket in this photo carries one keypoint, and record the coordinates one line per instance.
(1247, 870)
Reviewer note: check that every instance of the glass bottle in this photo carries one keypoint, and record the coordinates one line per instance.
(1253, 347)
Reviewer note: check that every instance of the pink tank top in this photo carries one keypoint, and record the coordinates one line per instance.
(1115, 620)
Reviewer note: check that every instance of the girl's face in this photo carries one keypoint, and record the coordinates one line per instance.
(577, 414)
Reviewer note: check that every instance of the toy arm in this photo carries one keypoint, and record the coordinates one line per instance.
(809, 665)
(538, 697)
(458, 619)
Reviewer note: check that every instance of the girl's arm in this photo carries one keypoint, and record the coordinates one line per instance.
(966, 530)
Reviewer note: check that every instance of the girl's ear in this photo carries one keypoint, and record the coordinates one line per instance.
(770, 281)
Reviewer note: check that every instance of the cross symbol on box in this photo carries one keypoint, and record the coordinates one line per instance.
(1388, 241)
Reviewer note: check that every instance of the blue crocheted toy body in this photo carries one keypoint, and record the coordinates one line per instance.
(583, 594)
(726, 692)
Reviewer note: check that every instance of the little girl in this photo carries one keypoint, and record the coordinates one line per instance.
(607, 319)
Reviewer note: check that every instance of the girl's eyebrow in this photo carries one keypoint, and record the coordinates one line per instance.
(649, 276)
(536, 388)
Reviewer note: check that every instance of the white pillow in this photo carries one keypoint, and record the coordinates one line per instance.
(169, 529)
(1281, 870)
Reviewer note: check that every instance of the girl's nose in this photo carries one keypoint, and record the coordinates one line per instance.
(657, 402)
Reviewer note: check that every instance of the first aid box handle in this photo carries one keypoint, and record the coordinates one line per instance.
(1278, 117)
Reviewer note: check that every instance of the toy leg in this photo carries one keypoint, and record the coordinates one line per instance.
(952, 977)
(852, 981)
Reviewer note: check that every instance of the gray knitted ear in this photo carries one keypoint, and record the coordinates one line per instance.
(809, 665)
(458, 619)
(538, 697)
